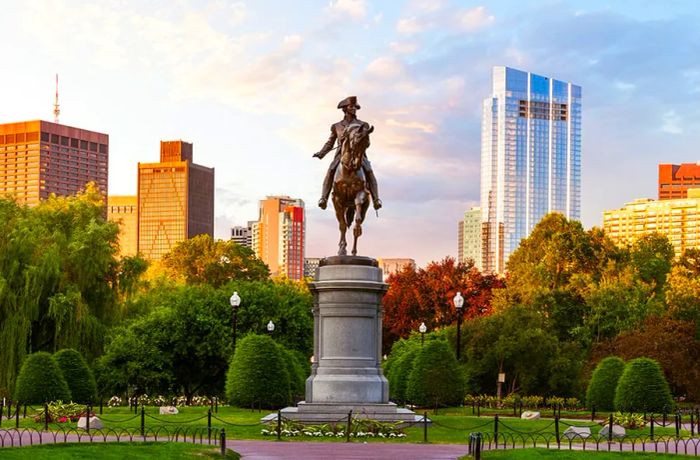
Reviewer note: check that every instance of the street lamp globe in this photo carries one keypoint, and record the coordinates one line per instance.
(458, 301)
(235, 300)
(422, 328)
(270, 327)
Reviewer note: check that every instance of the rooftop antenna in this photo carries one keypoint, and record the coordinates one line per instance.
(56, 110)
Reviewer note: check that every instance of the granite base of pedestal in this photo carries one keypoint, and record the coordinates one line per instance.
(317, 413)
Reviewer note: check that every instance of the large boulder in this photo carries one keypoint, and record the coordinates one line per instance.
(168, 410)
(95, 423)
(530, 415)
(617, 431)
(577, 432)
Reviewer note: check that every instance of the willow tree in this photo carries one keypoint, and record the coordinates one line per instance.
(59, 278)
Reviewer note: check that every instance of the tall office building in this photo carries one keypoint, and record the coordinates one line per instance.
(279, 236)
(124, 211)
(675, 180)
(38, 158)
(176, 200)
(469, 233)
(243, 235)
(530, 159)
(393, 265)
(678, 219)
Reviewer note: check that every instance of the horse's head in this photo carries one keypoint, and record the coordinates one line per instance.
(356, 142)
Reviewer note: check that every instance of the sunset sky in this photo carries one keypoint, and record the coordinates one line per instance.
(254, 86)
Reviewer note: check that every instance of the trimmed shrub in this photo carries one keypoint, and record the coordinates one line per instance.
(78, 375)
(400, 371)
(297, 374)
(258, 375)
(436, 378)
(601, 388)
(40, 379)
(643, 388)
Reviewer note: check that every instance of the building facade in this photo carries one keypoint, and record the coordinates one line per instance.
(124, 211)
(469, 234)
(279, 236)
(394, 265)
(175, 200)
(310, 266)
(678, 219)
(530, 159)
(675, 180)
(38, 158)
(243, 235)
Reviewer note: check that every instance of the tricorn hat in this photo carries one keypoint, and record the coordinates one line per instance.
(347, 101)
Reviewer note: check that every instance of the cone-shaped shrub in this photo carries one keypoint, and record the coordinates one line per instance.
(78, 375)
(40, 379)
(603, 383)
(436, 378)
(643, 388)
(400, 371)
(258, 375)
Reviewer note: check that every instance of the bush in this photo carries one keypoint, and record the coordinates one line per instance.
(400, 371)
(40, 379)
(601, 388)
(78, 375)
(643, 388)
(296, 367)
(258, 375)
(436, 378)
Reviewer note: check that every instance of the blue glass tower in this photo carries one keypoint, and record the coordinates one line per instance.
(530, 159)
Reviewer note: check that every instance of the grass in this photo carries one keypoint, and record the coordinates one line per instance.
(536, 454)
(450, 426)
(115, 451)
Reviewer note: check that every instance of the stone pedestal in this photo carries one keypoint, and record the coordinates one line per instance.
(347, 373)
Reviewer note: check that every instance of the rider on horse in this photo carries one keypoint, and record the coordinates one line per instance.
(349, 106)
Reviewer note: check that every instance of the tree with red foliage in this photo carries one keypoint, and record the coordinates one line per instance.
(425, 295)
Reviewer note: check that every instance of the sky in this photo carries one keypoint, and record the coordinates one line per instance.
(254, 86)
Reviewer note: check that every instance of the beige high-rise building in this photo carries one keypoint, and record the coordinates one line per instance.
(124, 211)
(678, 219)
(38, 158)
(469, 234)
(394, 265)
(279, 236)
(176, 200)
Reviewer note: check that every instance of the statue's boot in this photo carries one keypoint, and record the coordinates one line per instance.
(326, 191)
(373, 189)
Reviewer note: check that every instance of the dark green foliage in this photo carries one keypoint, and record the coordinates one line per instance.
(258, 375)
(400, 371)
(436, 378)
(41, 380)
(643, 388)
(297, 366)
(601, 388)
(77, 374)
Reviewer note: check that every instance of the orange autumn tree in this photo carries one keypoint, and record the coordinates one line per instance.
(425, 295)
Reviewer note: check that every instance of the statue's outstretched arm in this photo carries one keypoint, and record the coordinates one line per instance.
(328, 146)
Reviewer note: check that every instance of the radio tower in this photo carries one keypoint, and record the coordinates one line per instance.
(56, 110)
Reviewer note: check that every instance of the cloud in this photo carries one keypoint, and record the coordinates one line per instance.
(355, 9)
(474, 19)
(403, 47)
(423, 127)
(671, 122)
(385, 68)
(410, 26)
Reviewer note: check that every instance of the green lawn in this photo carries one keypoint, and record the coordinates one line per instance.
(450, 426)
(114, 451)
(536, 454)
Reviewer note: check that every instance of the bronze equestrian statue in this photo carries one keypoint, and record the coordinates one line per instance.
(350, 174)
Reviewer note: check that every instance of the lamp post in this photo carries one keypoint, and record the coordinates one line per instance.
(235, 303)
(459, 303)
(422, 330)
(270, 327)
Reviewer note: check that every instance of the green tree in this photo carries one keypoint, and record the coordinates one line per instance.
(601, 388)
(41, 380)
(77, 374)
(400, 370)
(683, 295)
(652, 257)
(203, 260)
(436, 379)
(60, 279)
(183, 344)
(258, 375)
(643, 387)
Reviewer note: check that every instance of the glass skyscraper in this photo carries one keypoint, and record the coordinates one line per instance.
(530, 159)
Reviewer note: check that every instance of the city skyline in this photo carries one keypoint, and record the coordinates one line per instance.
(257, 94)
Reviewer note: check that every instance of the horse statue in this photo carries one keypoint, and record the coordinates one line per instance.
(350, 192)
